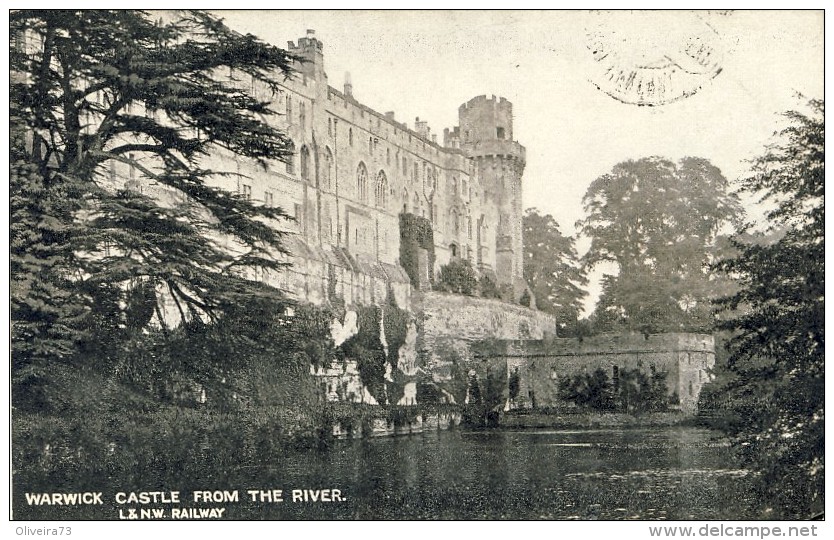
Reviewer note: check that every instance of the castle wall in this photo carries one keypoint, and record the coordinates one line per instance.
(354, 170)
(685, 358)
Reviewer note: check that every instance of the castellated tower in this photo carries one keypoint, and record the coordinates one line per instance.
(486, 136)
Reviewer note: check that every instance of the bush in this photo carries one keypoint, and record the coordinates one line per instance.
(458, 277)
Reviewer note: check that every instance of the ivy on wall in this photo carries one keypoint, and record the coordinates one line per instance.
(415, 233)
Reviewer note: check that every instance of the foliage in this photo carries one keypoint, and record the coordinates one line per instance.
(631, 391)
(552, 269)
(777, 320)
(93, 95)
(514, 384)
(395, 325)
(458, 277)
(367, 350)
(415, 232)
(591, 390)
(474, 390)
(488, 288)
(658, 222)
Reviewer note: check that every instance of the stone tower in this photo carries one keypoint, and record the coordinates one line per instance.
(486, 136)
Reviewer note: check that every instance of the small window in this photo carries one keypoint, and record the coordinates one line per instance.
(268, 200)
(305, 163)
(330, 127)
(499, 133)
(290, 157)
(247, 192)
(350, 136)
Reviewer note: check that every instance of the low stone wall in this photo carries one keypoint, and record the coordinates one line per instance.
(684, 358)
(468, 319)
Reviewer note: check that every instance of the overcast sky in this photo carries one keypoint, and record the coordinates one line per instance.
(427, 63)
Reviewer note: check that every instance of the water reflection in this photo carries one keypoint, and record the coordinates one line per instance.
(672, 473)
(676, 473)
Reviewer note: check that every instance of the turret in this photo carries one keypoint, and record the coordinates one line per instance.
(311, 50)
(485, 134)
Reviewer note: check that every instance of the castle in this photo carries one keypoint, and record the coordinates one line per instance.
(355, 170)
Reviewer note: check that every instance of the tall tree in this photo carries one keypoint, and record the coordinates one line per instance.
(777, 352)
(96, 92)
(658, 222)
(552, 268)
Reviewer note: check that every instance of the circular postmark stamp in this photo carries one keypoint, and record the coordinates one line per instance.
(653, 58)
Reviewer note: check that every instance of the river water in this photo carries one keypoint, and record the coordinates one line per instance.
(665, 473)
(658, 473)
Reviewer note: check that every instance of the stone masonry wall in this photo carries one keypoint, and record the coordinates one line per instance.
(685, 358)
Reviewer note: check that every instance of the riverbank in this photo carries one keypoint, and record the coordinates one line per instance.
(593, 420)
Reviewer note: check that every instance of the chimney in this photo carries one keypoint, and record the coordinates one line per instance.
(390, 115)
(348, 85)
(311, 34)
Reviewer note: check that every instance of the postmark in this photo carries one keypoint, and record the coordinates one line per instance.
(653, 58)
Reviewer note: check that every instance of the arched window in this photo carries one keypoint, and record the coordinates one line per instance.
(362, 182)
(455, 184)
(328, 167)
(305, 163)
(416, 203)
(454, 226)
(381, 189)
(290, 158)
(405, 201)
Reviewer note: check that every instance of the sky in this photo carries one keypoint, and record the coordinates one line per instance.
(426, 63)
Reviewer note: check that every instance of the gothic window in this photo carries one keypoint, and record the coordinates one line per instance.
(388, 156)
(414, 173)
(290, 157)
(350, 136)
(302, 114)
(328, 167)
(305, 163)
(329, 127)
(455, 225)
(405, 165)
(405, 200)
(464, 188)
(416, 203)
(370, 145)
(381, 189)
(362, 182)
(455, 184)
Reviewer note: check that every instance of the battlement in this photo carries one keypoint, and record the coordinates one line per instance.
(480, 101)
(305, 44)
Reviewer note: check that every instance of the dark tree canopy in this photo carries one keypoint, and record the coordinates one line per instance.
(95, 91)
(658, 222)
(552, 268)
(777, 320)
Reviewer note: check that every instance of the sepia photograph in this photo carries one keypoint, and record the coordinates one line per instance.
(381, 265)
